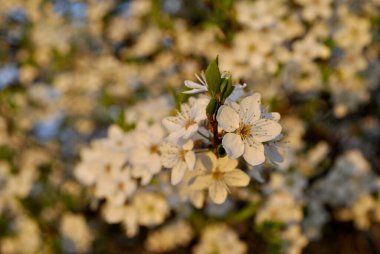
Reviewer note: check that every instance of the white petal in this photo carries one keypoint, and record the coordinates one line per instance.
(264, 130)
(228, 119)
(250, 109)
(193, 85)
(174, 136)
(225, 164)
(190, 160)
(254, 153)
(193, 91)
(273, 154)
(197, 198)
(218, 192)
(113, 214)
(201, 182)
(190, 131)
(233, 145)
(188, 145)
(178, 172)
(236, 178)
(171, 123)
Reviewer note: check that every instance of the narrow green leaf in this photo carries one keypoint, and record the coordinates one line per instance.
(228, 90)
(211, 107)
(213, 78)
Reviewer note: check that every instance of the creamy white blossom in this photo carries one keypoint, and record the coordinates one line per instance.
(219, 175)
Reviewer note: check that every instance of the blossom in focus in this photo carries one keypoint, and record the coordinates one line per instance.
(246, 129)
(186, 123)
(178, 158)
(220, 174)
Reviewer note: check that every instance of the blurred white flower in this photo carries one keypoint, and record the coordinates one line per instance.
(219, 175)
(220, 239)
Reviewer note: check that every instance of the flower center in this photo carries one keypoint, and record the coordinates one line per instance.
(182, 154)
(217, 175)
(153, 149)
(189, 122)
(120, 186)
(244, 131)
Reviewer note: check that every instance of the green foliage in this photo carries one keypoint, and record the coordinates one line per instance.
(270, 230)
(212, 108)
(226, 88)
(213, 77)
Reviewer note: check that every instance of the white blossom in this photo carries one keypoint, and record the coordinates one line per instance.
(219, 175)
(246, 129)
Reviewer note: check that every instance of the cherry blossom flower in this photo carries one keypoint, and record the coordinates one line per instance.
(186, 123)
(220, 174)
(246, 129)
(178, 158)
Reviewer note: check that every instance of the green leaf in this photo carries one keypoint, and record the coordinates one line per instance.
(211, 107)
(213, 78)
(227, 91)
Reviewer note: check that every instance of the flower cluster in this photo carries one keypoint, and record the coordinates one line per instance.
(104, 148)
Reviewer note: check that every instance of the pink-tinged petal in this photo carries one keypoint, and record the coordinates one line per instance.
(178, 172)
(236, 178)
(201, 182)
(233, 145)
(254, 153)
(218, 192)
(190, 160)
(171, 123)
(228, 119)
(264, 130)
(250, 109)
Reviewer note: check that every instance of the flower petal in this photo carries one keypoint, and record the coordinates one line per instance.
(218, 192)
(178, 172)
(228, 119)
(273, 154)
(193, 85)
(171, 123)
(188, 145)
(225, 164)
(236, 178)
(201, 182)
(190, 160)
(254, 153)
(264, 130)
(250, 109)
(233, 145)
